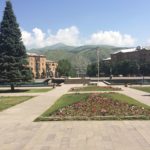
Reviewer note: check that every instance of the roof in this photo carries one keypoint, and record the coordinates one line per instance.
(147, 47)
(34, 54)
(107, 59)
(126, 50)
(50, 61)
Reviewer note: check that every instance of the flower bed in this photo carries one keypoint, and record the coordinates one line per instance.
(110, 106)
(98, 105)
(95, 88)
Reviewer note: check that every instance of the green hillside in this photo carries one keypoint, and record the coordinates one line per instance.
(79, 57)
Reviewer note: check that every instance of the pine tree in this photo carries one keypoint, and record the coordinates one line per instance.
(13, 58)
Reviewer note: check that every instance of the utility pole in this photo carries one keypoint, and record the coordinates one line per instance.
(98, 63)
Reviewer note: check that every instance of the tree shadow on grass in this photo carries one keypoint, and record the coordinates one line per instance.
(146, 95)
(15, 91)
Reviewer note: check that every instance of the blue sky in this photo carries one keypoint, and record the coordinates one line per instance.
(78, 22)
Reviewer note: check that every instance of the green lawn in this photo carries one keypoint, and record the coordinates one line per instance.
(145, 89)
(94, 88)
(38, 90)
(126, 99)
(6, 102)
(42, 90)
(70, 103)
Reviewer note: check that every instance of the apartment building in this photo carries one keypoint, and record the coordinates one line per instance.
(40, 66)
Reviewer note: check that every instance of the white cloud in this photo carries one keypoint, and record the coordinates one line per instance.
(27, 37)
(111, 38)
(37, 38)
(34, 39)
(147, 42)
(70, 36)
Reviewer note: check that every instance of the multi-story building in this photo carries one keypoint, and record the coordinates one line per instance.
(136, 62)
(38, 65)
(139, 55)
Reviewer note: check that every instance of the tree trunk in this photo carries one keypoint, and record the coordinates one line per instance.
(12, 87)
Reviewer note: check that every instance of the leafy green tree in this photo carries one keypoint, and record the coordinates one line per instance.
(13, 58)
(73, 72)
(145, 69)
(64, 68)
(92, 70)
(133, 68)
(105, 68)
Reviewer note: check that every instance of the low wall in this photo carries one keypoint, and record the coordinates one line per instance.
(77, 81)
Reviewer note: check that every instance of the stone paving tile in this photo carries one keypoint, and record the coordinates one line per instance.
(45, 148)
(18, 132)
(99, 136)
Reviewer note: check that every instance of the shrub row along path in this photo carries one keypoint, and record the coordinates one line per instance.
(19, 132)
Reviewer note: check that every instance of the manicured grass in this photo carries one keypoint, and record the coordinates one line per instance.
(6, 102)
(145, 89)
(94, 88)
(126, 99)
(104, 106)
(38, 90)
(42, 90)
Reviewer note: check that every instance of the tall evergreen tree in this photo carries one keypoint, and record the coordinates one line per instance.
(13, 58)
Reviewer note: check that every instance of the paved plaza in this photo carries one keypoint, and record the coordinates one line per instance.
(19, 132)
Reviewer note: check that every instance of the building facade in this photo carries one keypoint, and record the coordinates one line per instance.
(137, 55)
(40, 66)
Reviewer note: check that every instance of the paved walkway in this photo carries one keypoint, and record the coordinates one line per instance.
(141, 96)
(18, 132)
(99, 83)
(31, 109)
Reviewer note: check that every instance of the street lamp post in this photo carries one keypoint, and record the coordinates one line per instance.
(110, 74)
(143, 77)
(98, 63)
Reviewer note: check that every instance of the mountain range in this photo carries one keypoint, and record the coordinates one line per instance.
(79, 56)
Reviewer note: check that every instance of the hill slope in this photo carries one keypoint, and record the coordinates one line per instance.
(79, 57)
